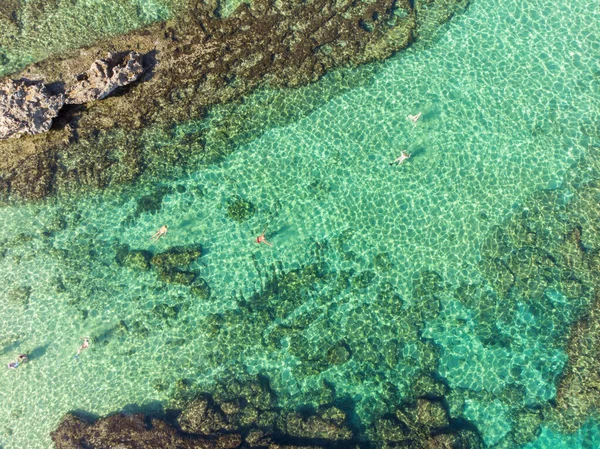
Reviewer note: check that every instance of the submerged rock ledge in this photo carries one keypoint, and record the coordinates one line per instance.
(245, 415)
(203, 60)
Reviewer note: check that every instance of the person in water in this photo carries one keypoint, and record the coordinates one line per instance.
(414, 118)
(20, 360)
(162, 231)
(261, 238)
(84, 345)
(400, 159)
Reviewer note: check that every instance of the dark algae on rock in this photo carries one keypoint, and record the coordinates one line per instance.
(194, 61)
(244, 414)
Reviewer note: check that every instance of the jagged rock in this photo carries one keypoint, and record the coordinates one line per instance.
(424, 424)
(104, 76)
(176, 276)
(26, 107)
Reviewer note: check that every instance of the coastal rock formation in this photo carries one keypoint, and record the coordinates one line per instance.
(26, 107)
(195, 61)
(104, 76)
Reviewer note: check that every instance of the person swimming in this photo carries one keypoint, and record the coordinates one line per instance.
(84, 345)
(400, 159)
(158, 234)
(414, 118)
(261, 238)
(20, 360)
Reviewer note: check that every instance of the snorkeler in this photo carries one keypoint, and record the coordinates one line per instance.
(400, 159)
(162, 231)
(20, 360)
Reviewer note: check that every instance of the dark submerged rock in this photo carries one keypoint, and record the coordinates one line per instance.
(240, 210)
(176, 257)
(176, 276)
(133, 432)
(200, 289)
(137, 259)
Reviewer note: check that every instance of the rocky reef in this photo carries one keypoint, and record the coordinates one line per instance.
(244, 414)
(172, 265)
(203, 60)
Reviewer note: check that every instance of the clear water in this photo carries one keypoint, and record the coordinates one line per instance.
(32, 30)
(509, 95)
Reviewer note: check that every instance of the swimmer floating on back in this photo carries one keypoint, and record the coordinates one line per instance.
(158, 234)
(400, 159)
(21, 359)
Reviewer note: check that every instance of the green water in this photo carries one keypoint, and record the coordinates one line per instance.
(509, 96)
(32, 30)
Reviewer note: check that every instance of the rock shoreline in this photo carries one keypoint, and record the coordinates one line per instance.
(203, 60)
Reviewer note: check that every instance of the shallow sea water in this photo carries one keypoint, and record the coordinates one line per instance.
(509, 96)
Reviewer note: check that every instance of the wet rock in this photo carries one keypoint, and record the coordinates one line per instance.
(258, 438)
(176, 257)
(432, 414)
(26, 107)
(363, 279)
(200, 289)
(152, 203)
(19, 295)
(104, 77)
(423, 424)
(200, 417)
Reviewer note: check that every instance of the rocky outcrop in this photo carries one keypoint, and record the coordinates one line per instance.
(203, 60)
(104, 76)
(26, 107)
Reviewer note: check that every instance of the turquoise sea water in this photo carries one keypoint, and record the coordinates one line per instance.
(509, 95)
